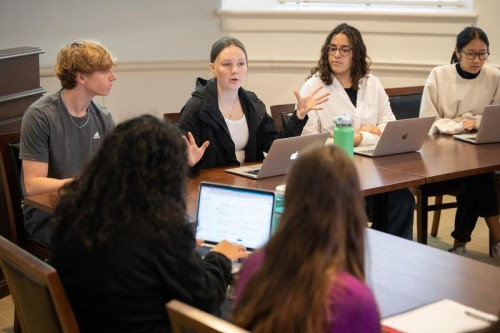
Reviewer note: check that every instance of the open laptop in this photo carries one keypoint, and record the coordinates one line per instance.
(236, 214)
(280, 157)
(488, 131)
(399, 136)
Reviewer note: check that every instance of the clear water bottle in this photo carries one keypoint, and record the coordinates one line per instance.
(343, 134)
(279, 206)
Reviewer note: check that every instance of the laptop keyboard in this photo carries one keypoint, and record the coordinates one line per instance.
(252, 172)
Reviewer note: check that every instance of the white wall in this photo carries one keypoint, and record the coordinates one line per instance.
(162, 46)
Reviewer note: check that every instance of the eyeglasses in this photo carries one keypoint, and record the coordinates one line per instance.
(344, 51)
(471, 55)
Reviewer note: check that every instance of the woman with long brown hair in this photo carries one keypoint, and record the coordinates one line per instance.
(310, 275)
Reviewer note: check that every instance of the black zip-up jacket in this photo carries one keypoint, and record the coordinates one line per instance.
(201, 116)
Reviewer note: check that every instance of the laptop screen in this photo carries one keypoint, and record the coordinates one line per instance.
(240, 215)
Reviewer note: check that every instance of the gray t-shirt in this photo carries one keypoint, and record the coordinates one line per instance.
(51, 135)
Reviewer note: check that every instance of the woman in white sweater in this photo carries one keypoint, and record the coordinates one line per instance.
(344, 71)
(456, 95)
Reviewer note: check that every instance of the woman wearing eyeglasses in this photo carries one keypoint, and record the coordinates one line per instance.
(344, 71)
(456, 95)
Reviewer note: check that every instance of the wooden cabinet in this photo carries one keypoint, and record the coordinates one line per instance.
(19, 85)
(19, 88)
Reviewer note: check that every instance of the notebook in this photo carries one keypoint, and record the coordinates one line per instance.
(399, 136)
(280, 157)
(488, 131)
(236, 214)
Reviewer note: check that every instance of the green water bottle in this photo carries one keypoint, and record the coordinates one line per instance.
(279, 206)
(343, 134)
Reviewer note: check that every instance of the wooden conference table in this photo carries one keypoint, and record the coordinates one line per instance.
(402, 274)
(441, 158)
(373, 180)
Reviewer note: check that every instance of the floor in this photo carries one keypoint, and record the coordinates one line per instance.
(478, 248)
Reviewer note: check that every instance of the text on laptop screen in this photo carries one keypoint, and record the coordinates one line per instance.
(235, 214)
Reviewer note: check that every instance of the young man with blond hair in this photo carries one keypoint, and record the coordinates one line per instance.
(62, 130)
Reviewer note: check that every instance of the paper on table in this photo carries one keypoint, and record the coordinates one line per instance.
(444, 316)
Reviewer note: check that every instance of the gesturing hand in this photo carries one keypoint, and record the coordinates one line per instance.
(310, 102)
(194, 153)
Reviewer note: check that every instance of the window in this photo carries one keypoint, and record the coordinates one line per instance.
(427, 3)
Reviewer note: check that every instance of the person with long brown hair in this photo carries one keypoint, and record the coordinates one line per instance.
(310, 275)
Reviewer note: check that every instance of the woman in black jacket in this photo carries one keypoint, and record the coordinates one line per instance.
(233, 119)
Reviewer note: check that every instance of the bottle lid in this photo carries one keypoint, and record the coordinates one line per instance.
(343, 120)
(280, 189)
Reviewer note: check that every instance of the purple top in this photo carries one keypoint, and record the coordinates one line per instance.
(352, 304)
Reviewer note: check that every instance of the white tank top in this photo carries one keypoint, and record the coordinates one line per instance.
(239, 134)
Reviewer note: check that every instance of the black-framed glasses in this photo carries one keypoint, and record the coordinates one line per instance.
(344, 51)
(471, 55)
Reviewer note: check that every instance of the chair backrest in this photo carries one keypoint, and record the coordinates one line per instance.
(10, 170)
(187, 319)
(405, 101)
(172, 117)
(281, 113)
(39, 298)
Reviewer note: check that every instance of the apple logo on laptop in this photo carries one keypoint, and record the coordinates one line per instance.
(294, 155)
(404, 136)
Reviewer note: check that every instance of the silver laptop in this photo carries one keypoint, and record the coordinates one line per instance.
(399, 136)
(236, 214)
(280, 157)
(488, 131)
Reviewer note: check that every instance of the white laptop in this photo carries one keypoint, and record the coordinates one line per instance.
(280, 157)
(236, 214)
(399, 136)
(488, 131)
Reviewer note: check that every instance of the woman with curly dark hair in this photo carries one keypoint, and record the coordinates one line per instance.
(122, 245)
(309, 278)
(344, 71)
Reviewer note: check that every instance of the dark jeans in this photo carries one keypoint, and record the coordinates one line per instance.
(477, 196)
(400, 215)
(38, 225)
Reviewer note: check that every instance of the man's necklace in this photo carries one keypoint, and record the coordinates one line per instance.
(71, 117)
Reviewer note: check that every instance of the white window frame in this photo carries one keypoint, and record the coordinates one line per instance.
(271, 15)
(412, 3)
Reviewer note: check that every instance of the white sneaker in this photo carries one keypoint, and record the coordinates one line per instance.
(495, 251)
(461, 251)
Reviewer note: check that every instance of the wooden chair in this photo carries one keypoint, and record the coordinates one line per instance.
(405, 103)
(281, 113)
(172, 117)
(39, 298)
(10, 169)
(185, 318)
